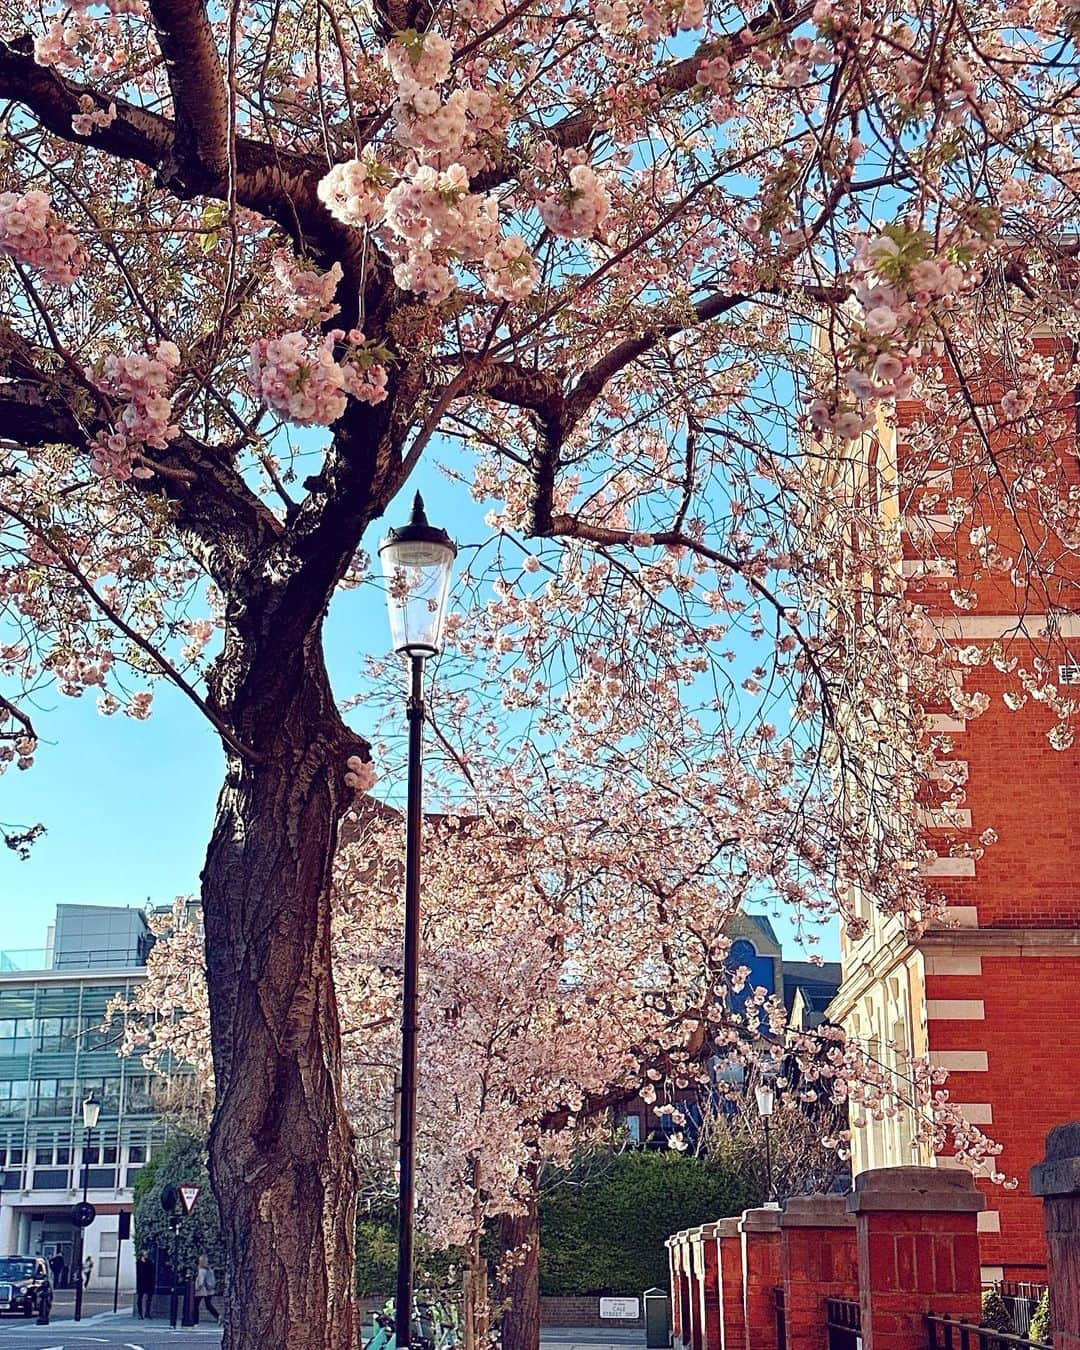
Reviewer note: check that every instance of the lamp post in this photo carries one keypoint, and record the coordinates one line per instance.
(416, 562)
(91, 1109)
(766, 1102)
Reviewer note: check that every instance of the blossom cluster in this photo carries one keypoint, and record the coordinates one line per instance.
(578, 212)
(354, 192)
(90, 116)
(438, 220)
(306, 293)
(32, 233)
(143, 381)
(301, 378)
(432, 221)
(900, 287)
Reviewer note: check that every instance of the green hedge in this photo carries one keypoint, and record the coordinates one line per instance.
(608, 1236)
(181, 1160)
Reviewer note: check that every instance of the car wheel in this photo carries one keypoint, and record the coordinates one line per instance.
(28, 1308)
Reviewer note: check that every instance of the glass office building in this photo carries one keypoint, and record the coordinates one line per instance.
(53, 1052)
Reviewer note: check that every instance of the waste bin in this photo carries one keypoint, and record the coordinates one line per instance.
(657, 1319)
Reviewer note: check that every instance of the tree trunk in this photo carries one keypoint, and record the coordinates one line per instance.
(475, 1297)
(281, 1149)
(520, 1323)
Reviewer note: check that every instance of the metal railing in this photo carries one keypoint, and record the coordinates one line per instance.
(843, 1321)
(947, 1333)
(1021, 1297)
(46, 958)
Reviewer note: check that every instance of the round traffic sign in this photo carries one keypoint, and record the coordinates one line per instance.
(83, 1215)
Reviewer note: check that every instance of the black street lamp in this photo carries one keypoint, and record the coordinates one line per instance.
(416, 561)
(766, 1102)
(91, 1109)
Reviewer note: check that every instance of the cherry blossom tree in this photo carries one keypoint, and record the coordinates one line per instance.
(657, 278)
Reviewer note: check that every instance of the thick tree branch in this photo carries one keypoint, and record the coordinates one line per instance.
(210, 499)
(201, 131)
(277, 183)
(592, 382)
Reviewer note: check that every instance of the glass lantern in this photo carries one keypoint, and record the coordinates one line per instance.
(417, 560)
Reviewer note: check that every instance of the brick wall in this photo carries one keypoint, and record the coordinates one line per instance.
(581, 1310)
(1018, 1002)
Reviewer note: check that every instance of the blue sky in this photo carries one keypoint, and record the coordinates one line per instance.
(128, 806)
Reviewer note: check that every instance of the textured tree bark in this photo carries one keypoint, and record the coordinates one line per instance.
(281, 1151)
(521, 1287)
(475, 1297)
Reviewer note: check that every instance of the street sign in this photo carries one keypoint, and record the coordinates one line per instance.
(188, 1196)
(168, 1198)
(620, 1307)
(83, 1215)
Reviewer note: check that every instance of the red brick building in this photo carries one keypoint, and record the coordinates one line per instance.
(992, 994)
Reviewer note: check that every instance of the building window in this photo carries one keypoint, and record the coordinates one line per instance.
(137, 1099)
(15, 1035)
(100, 1162)
(137, 1157)
(12, 1160)
(106, 1090)
(93, 1036)
(13, 1099)
(632, 1125)
(52, 1167)
(52, 1097)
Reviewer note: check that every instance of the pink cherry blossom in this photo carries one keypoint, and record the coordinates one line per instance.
(32, 233)
(581, 209)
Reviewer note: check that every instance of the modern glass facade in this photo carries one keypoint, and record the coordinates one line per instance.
(53, 1052)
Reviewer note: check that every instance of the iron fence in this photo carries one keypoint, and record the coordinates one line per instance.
(843, 1320)
(781, 1318)
(947, 1333)
(1021, 1298)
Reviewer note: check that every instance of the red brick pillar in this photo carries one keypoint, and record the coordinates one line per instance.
(819, 1260)
(706, 1286)
(729, 1260)
(681, 1300)
(1057, 1180)
(672, 1245)
(918, 1251)
(760, 1229)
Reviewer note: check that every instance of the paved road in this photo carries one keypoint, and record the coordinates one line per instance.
(127, 1333)
(108, 1334)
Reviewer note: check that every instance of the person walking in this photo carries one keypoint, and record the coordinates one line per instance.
(56, 1265)
(145, 1281)
(205, 1284)
(87, 1270)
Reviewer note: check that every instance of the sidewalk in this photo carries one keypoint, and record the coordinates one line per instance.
(592, 1338)
(125, 1320)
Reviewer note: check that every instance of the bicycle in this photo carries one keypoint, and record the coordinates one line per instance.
(382, 1329)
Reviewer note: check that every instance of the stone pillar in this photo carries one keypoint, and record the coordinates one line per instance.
(1057, 1180)
(819, 1260)
(706, 1285)
(729, 1260)
(760, 1230)
(672, 1245)
(918, 1251)
(9, 1228)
